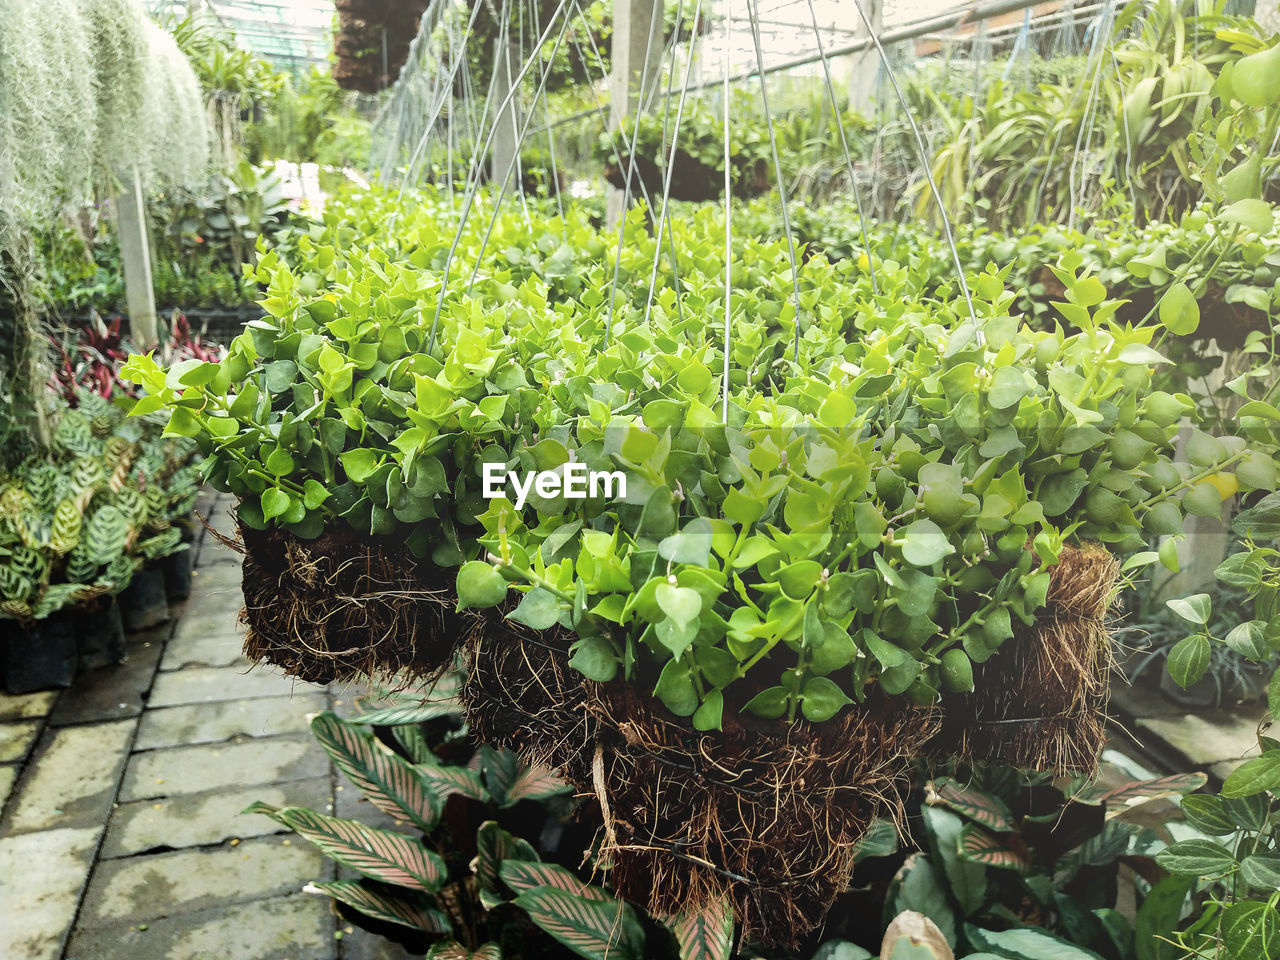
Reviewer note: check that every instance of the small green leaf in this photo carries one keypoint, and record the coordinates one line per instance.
(1189, 659)
(1252, 214)
(274, 502)
(821, 699)
(681, 604)
(595, 659)
(1254, 776)
(1196, 858)
(770, 703)
(359, 463)
(539, 609)
(1179, 311)
(480, 585)
(924, 543)
(1251, 930)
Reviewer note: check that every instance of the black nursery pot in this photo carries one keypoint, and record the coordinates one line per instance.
(176, 568)
(144, 603)
(40, 655)
(99, 634)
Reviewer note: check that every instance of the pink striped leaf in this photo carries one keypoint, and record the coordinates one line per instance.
(1137, 792)
(413, 910)
(978, 846)
(977, 805)
(525, 875)
(377, 854)
(391, 783)
(452, 950)
(494, 846)
(511, 781)
(449, 780)
(590, 928)
(707, 935)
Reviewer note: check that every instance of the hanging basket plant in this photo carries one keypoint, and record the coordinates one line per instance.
(787, 550)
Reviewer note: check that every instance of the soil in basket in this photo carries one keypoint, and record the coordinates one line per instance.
(345, 606)
(768, 814)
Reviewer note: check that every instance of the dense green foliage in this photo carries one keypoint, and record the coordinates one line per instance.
(862, 514)
(77, 523)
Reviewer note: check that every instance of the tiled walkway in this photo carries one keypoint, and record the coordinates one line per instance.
(121, 834)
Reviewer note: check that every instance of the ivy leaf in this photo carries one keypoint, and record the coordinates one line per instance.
(1251, 928)
(1194, 609)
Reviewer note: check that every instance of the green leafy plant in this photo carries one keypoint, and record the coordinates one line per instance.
(476, 879)
(77, 523)
(863, 515)
(1014, 866)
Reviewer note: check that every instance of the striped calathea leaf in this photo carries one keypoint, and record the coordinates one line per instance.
(706, 934)
(597, 929)
(415, 910)
(377, 854)
(392, 784)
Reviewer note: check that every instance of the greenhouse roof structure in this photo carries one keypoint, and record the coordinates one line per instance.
(293, 34)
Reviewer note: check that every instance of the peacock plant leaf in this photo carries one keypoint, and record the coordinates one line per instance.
(67, 523)
(448, 780)
(391, 783)
(978, 846)
(524, 875)
(414, 910)
(494, 846)
(596, 930)
(106, 534)
(377, 854)
(977, 805)
(452, 950)
(707, 934)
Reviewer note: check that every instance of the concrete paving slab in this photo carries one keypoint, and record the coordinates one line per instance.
(144, 888)
(8, 777)
(16, 740)
(205, 650)
(358, 944)
(1206, 739)
(27, 705)
(36, 913)
(209, 617)
(112, 692)
(290, 928)
(184, 770)
(203, 819)
(71, 780)
(212, 684)
(214, 722)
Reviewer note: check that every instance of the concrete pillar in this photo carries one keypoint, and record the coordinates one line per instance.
(135, 256)
(637, 62)
(864, 66)
(506, 134)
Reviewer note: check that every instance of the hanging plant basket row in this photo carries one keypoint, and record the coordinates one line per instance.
(832, 525)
